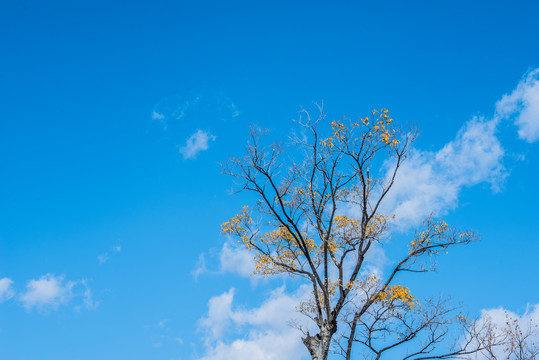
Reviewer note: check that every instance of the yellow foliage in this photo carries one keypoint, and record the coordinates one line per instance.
(437, 237)
(236, 225)
(397, 293)
(379, 129)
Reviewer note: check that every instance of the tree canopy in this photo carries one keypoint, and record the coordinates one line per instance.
(318, 217)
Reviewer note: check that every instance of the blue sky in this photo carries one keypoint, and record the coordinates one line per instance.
(115, 117)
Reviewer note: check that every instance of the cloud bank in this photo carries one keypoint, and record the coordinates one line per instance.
(268, 334)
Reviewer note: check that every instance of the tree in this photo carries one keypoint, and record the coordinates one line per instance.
(317, 218)
(520, 343)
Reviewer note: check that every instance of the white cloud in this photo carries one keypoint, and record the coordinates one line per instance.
(219, 314)
(117, 249)
(196, 143)
(234, 259)
(475, 155)
(6, 291)
(268, 335)
(522, 105)
(431, 182)
(47, 292)
(261, 346)
(500, 317)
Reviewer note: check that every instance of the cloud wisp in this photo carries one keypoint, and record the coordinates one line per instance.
(196, 143)
(49, 292)
(103, 258)
(522, 106)
(6, 290)
(183, 116)
(180, 112)
(431, 182)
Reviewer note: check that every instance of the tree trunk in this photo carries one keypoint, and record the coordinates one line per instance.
(318, 345)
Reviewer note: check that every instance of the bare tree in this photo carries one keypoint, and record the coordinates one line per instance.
(520, 343)
(432, 330)
(318, 216)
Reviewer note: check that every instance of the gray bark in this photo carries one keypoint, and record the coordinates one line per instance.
(318, 345)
